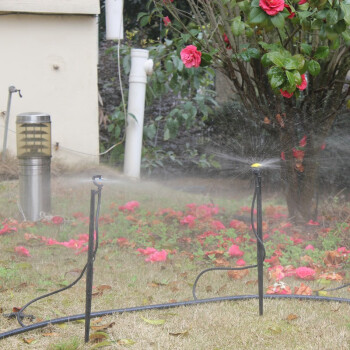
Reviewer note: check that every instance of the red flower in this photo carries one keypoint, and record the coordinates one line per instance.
(235, 251)
(7, 229)
(305, 273)
(302, 142)
(227, 41)
(303, 84)
(166, 20)
(158, 256)
(130, 206)
(189, 219)
(240, 262)
(301, 2)
(310, 247)
(272, 7)
(57, 220)
(190, 56)
(313, 223)
(22, 251)
(147, 251)
(323, 146)
(217, 225)
(297, 153)
(283, 156)
(292, 14)
(285, 93)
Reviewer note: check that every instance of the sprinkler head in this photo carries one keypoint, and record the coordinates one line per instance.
(97, 180)
(256, 165)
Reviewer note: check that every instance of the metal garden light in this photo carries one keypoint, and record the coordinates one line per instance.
(34, 158)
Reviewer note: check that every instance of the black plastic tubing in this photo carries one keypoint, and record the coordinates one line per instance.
(167, 306)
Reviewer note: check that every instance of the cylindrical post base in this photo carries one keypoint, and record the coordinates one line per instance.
(35, 187)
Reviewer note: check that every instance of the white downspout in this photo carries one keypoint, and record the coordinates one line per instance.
(114, 19)
(141, 66)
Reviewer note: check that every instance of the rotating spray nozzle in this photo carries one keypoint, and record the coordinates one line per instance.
(97, 180)
(256, 168)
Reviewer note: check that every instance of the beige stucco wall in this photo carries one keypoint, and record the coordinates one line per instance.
(53, 60)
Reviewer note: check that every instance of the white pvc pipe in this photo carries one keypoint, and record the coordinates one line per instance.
(140, 67)
(114, 19)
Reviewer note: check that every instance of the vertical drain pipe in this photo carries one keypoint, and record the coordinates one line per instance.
(141, 66)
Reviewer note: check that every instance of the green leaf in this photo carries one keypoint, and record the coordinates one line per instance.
(316, 24)
(257, 15)
(346, 10)
(153, 322)
(332, 16)
(290, 77)
(314, 67)
(278, 20)
(301, 61)
(321, 52)
(265, 60)
(277, 58)
(291, 63)
(331, 33)
(253, 52)
(340, 27)
(144, 21)
(297, 77)
(276, 76)
(335, 44)
(304, 14)
(205, 59)
(255, 3)
(237, 26)
(306, 49)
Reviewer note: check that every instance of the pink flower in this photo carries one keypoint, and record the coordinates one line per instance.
(7, 229)
(310, 247)
(305, 273)
(283, 156)
(20, 250)
(189, 219)
(166, 21)
(158, 256)
(302, 142)
(303, 84)
(343, 250)
(323, 146)
(313, 223)
(291, 14)
(272, 7)
(57, 220)
(147, 251)
(130, 206)
(286, 94)
(217, 225)
(190, 56)
(301, 2)
(235, 251)
(240, 262)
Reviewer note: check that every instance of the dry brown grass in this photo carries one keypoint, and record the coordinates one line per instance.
(133, 282)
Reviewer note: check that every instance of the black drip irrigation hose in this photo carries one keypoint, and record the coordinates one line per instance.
(167, 306)
(196, 301)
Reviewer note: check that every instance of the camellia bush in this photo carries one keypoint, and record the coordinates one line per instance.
(288, 62)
